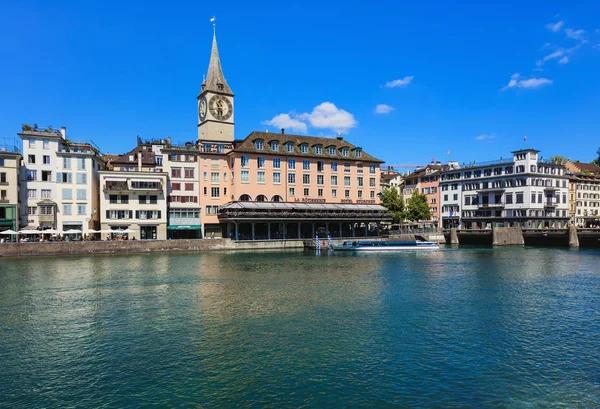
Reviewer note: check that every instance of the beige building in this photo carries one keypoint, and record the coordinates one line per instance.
(10, 165)
(584, 193)
(134, 194)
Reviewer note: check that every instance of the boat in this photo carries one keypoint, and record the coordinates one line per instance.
(387, 245)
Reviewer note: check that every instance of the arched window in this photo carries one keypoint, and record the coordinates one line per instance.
(261, 198)
(245, 198)
(276, 198)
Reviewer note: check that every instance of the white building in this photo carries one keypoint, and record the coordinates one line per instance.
(59, 187)
(525, 191)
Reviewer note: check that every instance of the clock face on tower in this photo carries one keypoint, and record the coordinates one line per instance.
(220, 107)
(202, 108)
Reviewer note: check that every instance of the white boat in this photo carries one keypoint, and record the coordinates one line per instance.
(387, 245)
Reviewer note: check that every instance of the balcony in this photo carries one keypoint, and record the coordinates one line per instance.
(550, 205)
(493, 189)
(499, 205)
(116, 187)
(46, 218)
(4, 200)
(551, 188)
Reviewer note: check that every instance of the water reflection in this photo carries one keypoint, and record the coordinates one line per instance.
(293, 329)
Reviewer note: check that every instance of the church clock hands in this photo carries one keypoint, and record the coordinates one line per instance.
(220, 107)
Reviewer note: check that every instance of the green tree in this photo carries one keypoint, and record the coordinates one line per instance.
(597, 160)
(394, 203)
(418, 209)
(561, 160)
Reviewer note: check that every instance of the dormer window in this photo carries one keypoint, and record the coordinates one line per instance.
(304, 148)
(345, 152)
(275, 146)
(289, 147)
(331, 150)
(358, 153)
(318, 149)
(220, 87)
(131, 159)
(258, 144)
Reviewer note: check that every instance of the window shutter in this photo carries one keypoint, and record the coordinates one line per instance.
(108, 214)
(159, 214)
(195, 158)
(58, 177)
(137, 214)
(131, 214)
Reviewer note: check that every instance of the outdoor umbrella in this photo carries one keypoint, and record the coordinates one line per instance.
(51, 231)
(93, 231)
(73, 231)
(11, 232)
(30, 232)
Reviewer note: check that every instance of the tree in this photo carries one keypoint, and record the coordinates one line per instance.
(418, 209)
(394, 203)
(597, 160)
(561, 160)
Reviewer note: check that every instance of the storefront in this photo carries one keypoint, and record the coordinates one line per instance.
(180, 231)
(281, 221)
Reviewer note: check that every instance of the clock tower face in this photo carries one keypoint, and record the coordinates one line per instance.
(220, 107)
(202, 108)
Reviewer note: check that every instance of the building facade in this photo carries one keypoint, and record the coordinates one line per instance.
(10, 167)
(525, 191)
(584, 193)
(59, 185)
(134, 194)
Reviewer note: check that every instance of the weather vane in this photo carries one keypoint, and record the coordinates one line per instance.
(213, 20)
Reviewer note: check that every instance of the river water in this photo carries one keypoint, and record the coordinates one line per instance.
(479, 328)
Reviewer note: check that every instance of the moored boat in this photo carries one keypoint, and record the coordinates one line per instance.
(387, 245)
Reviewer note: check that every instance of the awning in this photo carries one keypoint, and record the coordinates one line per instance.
(146, 180)
(184, 227)
(115, 179)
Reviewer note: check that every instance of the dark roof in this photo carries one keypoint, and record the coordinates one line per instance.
(582, 167)
(247, 145)
(386, 178)
(144, 149)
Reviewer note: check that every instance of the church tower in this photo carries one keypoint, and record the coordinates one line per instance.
(215, 103)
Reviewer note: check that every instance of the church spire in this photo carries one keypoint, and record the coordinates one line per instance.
(215, 81)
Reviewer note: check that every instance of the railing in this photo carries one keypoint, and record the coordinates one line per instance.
(316, 215)
(490, 205)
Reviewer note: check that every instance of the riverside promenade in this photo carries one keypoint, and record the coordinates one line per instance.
(141, 246)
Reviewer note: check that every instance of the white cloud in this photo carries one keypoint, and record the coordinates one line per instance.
(551, 56)
(555, 27)
(515, 82)
(574, 34)
(483, 137)
(402, 82)
(383, 109)
(597, 46)
(287, 122)
(328, 116)
(563, 60)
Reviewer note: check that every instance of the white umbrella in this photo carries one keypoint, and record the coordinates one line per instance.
(73, 231)
(94, 231)
(128, 231)
(51, 231)
(11, 232)
(30, 232)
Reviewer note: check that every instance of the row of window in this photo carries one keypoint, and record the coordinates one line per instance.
(498, 171)
(49, 210)
(128, 214)
(124, 199)
(306, 165)
(306, 179)
(304, 148)
(188, 173)
(320, 193)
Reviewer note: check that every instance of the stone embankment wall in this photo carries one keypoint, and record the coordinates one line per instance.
(508, 236)
(140, 246)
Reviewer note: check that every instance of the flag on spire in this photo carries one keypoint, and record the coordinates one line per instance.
(213, 19)
(525, 138)
(448, 152)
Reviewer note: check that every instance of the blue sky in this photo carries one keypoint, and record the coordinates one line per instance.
(471, 79)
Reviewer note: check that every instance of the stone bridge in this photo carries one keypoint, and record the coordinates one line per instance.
(511, 236)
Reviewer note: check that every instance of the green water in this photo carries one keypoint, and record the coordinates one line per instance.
(477, 328)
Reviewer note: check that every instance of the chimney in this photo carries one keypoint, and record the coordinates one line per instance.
(140, 154)
(63, 132)
(282, 131)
